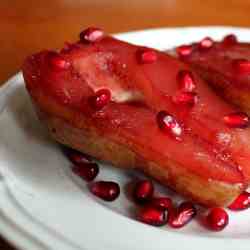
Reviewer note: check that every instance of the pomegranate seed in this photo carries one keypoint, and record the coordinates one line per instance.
(143, 191)
(236, 120)
(168, 124)
(241, 202)
(206, 43)
(58, 62)
(106, 190)
(184, 214)
(91, 35)
(101, 98)
(217, 219)
(186, 81)
(87, 171)
(77, 157)
(242, 66)
(163, 203)
(184, 50)
(230, 39)
(147, 56)
(153, 216)
(186, 98)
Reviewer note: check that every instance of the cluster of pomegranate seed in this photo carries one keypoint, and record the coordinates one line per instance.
(184, 50)
(229, 40)
(146, 56)
(206, 43)
(91, 35)
(87, 170)
(241, 66)
(158, 211)
(236, 120)
(217, 218)
(58, 62)
(101, 98)
(155, 211)
(168, 124)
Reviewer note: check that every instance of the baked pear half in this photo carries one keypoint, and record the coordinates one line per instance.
(139, 108)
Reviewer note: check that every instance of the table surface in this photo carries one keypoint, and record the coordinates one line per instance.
(28, 26)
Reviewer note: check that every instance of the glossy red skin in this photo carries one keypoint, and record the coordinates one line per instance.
(163, 203)
(105, 190)
(144, 191)
(183, 215)
(76, 157)
(153, 216)
(87, 171)
(242, 202)
(113, 64)
(217, 219)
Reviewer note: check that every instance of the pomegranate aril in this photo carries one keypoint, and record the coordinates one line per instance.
(87, 171)
(186, 81)
(186, 98)
(184, 50)
(143, 191)
(229, 40)
(184, 214)
(241, 202)
(206, 43)
(163, 203)
(242, 66)
(57, 62)
(146, 56)
(101, 98)
(217, 219)
(77, 157)
(106, 190)
(236, 120)
(91, 35)
(153, 216)
(168, 124)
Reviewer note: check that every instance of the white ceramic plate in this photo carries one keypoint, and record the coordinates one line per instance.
(43, 206)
